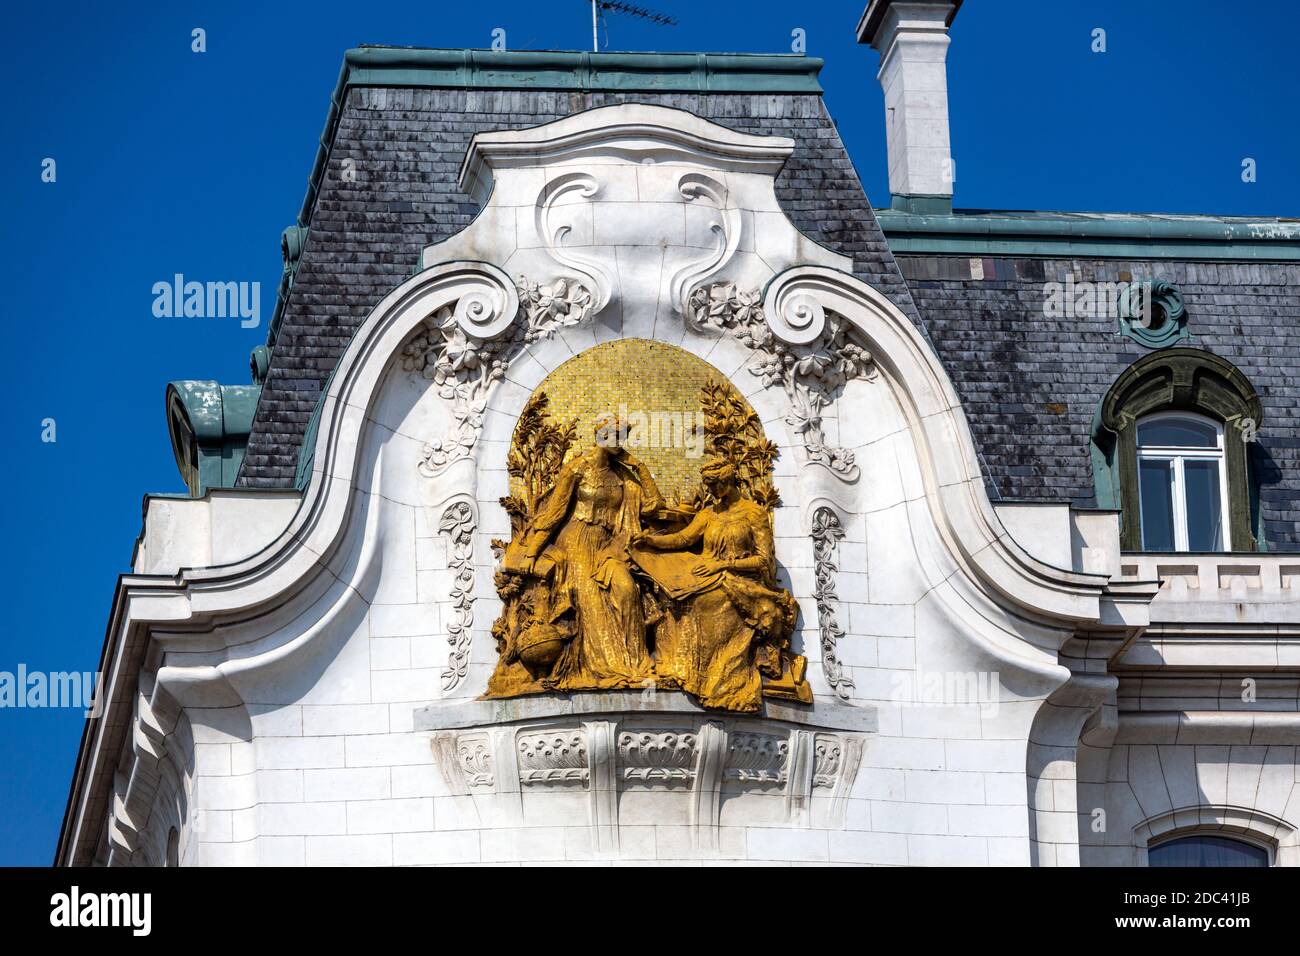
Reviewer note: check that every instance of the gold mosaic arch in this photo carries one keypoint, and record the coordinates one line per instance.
(638, 377)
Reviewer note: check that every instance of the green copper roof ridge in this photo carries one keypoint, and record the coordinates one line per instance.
(577, 69)
(980, 212)
(1127, 235)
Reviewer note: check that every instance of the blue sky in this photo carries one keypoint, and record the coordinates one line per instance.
(170, 161)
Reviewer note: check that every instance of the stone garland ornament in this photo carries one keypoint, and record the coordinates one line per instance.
(553, 756)
(458, 524)
(827, 532)
(464, 366)
(464, 349)
(808, 352)
(827, 754)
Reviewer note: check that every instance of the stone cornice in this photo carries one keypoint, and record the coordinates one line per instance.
(631, 132)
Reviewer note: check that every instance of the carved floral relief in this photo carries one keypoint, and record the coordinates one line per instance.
(811, 373)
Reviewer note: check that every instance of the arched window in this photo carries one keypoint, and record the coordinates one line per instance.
(1203, 849)
(1171, 450)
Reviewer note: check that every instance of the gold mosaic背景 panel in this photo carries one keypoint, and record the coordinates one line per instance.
(656, 386)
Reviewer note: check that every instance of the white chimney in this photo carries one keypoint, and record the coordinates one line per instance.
(912, 39)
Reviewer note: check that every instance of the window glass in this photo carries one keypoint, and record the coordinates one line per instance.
(1156, 486)
(1207, 851)
(1178, 433)
(1180, 484)
(1204, 505)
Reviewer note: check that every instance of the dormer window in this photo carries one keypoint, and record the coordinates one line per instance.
(1172, 446)
(1182, 483)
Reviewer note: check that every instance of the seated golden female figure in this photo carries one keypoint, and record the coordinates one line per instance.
(582, 529)
(726, 622)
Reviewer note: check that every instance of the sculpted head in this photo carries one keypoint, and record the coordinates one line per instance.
(719, 477)
(611, 432)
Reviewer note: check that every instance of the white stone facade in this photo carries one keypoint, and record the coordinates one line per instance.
(309, 667)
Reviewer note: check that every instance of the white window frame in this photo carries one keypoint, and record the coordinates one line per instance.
(1178, 454)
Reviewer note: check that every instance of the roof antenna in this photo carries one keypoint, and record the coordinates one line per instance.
(598, 7)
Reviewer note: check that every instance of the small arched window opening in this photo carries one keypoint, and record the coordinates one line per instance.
(1171, 451)
(1207, 849)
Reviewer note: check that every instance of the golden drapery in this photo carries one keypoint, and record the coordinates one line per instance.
(578, 540)
(707, 642)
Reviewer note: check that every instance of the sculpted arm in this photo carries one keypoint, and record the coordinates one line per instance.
(554, 508)
(680, 540)
(651, 499)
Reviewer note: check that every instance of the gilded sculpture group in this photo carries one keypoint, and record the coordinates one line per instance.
(605, 585)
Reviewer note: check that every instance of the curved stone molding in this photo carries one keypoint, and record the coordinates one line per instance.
(953, 486)
(633, 132)
(458, 523)
(554, 233)
(1258, 825)
(808, 354)
(702, 190)
(465, 348)
(639, 203)
(827, 532)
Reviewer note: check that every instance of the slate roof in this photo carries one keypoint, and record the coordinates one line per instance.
(407, 145)
(1031, 383)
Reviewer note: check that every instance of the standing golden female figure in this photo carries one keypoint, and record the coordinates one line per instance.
(726, 623)
(581, 531)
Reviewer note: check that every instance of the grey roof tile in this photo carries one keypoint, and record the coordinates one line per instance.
(1009, 361)
(407, 145)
